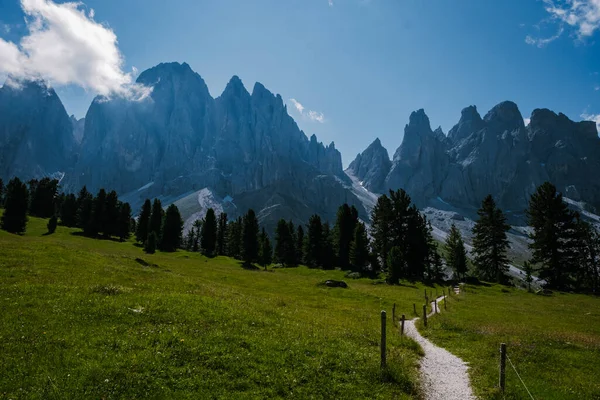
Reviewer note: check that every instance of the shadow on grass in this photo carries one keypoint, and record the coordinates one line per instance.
(112, 239)
(249, 266)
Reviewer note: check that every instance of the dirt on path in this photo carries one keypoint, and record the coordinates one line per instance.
(444, 376)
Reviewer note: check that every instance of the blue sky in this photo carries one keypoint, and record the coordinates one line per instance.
(357, 67)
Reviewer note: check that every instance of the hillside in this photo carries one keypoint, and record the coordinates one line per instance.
(101, 319)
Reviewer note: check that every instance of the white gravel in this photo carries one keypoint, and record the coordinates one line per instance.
(444, 376)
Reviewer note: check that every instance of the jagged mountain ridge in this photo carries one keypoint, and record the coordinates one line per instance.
(496, 154)
(36, 134)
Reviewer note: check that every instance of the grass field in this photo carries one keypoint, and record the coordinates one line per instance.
(554, 342)
(85, 318)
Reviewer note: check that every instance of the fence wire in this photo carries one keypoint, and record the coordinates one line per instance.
(519, 376)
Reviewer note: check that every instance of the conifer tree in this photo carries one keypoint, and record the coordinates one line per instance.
(124, 222)
(150, 245)
(327, 260)
(347, 218)
(1, 192)
(208, 240)
(528, 269)
(234, 238)
(456, 255)
(300, 244)
(52, 223)
(43, 197)
(84, 209)
(381, 228)
(314, 241)
(197, 232)
(111, 215)
(266, 250)
(282, 239)
(68, 211)
(292, 252)
(172, 229)
(396, 265)
(250, 238)
(553, 237)
(98, 221)
(359, 249)
(14, 219)
(143, 222)
(490, 242)
(156, 218)
(222, 234)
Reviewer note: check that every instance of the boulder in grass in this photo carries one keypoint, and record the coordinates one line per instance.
(332, 283)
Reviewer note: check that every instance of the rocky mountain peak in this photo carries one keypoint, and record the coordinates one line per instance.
(470, 122)
(235, 88)
(372, 166)
(418, 122)
(505, 116)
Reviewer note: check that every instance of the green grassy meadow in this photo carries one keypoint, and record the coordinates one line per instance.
(554, 342)
(85, 318)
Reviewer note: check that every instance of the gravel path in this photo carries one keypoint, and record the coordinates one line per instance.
(444, 375)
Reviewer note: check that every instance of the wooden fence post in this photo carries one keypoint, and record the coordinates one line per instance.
(502, 366)
(415, 309)
(394, 314)
(402, 325)
(445, 306)
(425, 315)
(383, 331)
(435, 305)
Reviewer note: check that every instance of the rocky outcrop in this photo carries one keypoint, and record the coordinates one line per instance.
(36, 134)
(372, 166)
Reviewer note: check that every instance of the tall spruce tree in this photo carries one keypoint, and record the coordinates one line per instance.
(68, 211)
(222, 234)
(111, 215)
(208, 240)
(14, 219)
(197, 233)
(124, 222)
(292, 253)
(553, 238)
(587, 253)
(359, 249)
(456, 255)
(300, 244)
(490, 242)
(98, 221)
(396, 265)
(381, 228)
(150, 245)
(156, 218)
(143, 222)
(43, 197)
(250, 233)
(346, 220)
(234, 238)
(313, 250)
(282, 242)
(85, 205)
(172, 230)
(52, 224)
(327, 260)
(265, 255)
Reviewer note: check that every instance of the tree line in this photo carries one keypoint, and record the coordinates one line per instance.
(398, 243)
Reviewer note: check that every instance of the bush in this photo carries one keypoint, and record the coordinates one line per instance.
(52, 224)
(150, 246)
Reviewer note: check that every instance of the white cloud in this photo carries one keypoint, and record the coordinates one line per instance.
(297, 105)
(592, 117)
(314, 116)
(330, 3)
(541, 42)
(65, 46)
(582, 15)
(596, 88)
